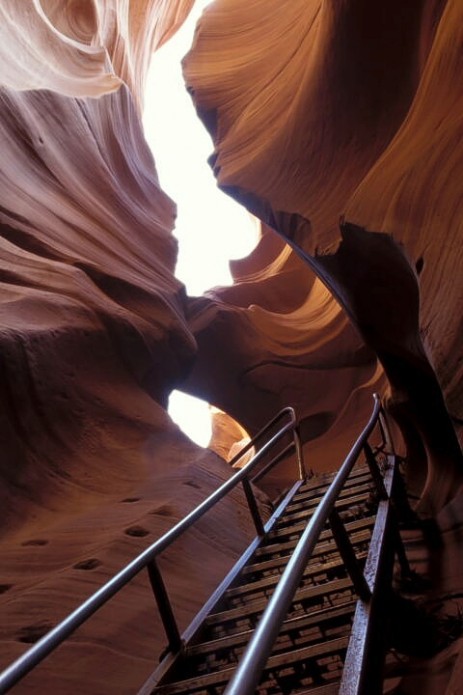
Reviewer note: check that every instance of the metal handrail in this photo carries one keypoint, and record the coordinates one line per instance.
(297, 443)
(25, 663)
(248, 673)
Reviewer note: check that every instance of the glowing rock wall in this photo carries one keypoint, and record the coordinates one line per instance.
(319, 111)
(275, 338)
(339, 125)
(93, 339)
(92, 317)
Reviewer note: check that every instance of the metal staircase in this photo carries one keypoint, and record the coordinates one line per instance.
(311, 646)
(304, 609)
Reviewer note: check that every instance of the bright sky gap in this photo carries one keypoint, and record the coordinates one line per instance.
(211, 228)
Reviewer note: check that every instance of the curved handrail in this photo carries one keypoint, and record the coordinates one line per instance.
(268, 426)
(248, 673)
(61, 632)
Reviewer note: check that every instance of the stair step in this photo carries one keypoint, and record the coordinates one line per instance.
(274, 548)
(326, 548)
(289, 519)
(304, 490)
(330, 689)
(297, 507)
(195, 685)
(293, 529)
(310, 652)
(325, 479)
(255, 607)
(301, 622)
(313, 569)
(298, 637)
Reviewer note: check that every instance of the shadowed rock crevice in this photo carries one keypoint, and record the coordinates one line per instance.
(373, 280)
(381, 294)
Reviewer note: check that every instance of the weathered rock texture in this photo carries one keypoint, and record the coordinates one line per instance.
(351, 111)
(93, 339)
(319, 110)
(292, 345)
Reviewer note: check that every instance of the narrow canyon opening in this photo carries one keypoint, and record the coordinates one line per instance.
(211, 227)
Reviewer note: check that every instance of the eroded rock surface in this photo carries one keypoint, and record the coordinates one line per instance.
(352, 112)
(93, 339)
(320, 111)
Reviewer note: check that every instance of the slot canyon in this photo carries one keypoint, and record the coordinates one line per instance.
(338, 124)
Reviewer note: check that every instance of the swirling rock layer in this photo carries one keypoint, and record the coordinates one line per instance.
(93, 339)
(352, 111)
(320, 111)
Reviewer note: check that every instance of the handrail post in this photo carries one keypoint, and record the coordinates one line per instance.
(404, 512)
(299, 454)
(375, 472)
(165, 607)
(348, 555)
(253, 508)
(385, 431)
(405, 569)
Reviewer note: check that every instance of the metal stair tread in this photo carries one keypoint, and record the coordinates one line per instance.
(351, 482)
(327, 547)
(291, 529)
(305, 511)
(259, 605)
(189, 685)
(271, 580)
(294, 507)
(329, 689)
(325, 479)
(296, 623)
(270, 548)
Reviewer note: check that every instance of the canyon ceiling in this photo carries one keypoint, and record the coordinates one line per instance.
(339, 124)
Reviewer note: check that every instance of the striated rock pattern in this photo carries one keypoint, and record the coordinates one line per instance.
(92, 317)
(321, 111)
(93, 339)
(293, 346)
(351, 111)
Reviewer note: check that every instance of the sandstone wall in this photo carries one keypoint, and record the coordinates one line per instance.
(339, 125)
(93, 339)
(320, 112)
